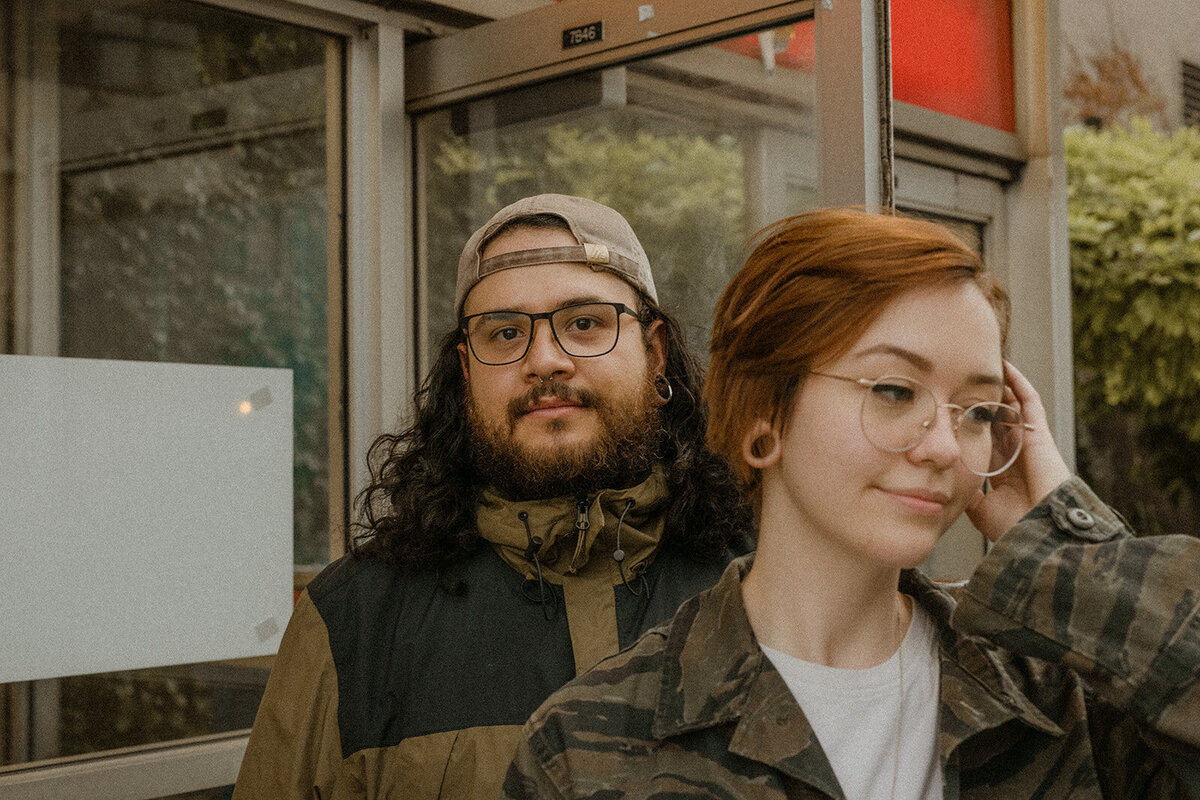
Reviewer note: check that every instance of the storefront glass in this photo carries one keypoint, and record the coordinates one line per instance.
(166, 199)
(698, 149)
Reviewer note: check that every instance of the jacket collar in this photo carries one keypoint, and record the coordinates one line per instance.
(981, 685)
(715, 673)
(572, 529)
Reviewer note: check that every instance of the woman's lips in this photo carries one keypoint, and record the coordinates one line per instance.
(922, 501)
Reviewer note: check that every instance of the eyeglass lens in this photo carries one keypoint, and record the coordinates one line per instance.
(585, 330)
(897, 413)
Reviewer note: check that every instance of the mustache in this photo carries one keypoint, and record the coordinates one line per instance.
(581, 397)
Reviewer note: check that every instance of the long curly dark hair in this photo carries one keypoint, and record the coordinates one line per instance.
(419, 509)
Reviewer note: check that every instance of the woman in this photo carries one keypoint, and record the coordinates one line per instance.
(859, 389)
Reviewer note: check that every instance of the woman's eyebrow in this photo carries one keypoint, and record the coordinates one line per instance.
(917, 360)
(925, 365)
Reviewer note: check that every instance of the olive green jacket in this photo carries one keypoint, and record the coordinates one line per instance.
(389, 685)
(1070, 668)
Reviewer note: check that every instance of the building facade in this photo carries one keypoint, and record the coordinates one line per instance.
(1161, 36)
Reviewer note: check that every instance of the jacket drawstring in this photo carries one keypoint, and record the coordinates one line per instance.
(545, 595)
(619, 556)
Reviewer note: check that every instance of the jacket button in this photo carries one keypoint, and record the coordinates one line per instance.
(1081, 519)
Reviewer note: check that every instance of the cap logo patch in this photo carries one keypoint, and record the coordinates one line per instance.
(595, 253)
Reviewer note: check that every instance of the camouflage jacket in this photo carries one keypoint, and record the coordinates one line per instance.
(1070, 668)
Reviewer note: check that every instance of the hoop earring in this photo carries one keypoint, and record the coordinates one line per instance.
(664, 388)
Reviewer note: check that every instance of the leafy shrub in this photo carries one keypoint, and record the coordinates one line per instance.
(1134, 213)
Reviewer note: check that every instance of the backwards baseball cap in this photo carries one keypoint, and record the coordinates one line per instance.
(606, 242)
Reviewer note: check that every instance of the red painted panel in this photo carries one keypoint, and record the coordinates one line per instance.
(955, 56)
(951, 56)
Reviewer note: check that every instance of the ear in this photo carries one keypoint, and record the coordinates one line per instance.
(762, 445)
(464, 360)
(656, 346)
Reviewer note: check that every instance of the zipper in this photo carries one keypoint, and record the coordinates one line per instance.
(581, 520)
(581, 528)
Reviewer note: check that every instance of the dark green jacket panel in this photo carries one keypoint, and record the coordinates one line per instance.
(413, 659)
(672, 578)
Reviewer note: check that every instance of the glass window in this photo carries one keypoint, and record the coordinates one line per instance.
(167, 198)
(697, 149)
(971, 233)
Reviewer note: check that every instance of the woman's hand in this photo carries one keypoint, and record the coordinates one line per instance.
(1037, 471)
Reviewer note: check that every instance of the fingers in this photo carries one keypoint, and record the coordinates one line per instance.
(1041, 467)
(1026, 397)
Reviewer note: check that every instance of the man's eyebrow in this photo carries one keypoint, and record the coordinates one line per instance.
(925, 365)
(574, 301)
(570, 301)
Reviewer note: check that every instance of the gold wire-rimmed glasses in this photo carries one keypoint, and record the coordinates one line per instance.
(898, 412)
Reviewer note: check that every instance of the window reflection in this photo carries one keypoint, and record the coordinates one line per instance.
(179, 176)
(697, 149)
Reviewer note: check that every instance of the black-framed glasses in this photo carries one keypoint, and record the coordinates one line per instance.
(898, 412)
(583, 330)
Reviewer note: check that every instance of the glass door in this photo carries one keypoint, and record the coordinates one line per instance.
(173, 197)
(698, 148)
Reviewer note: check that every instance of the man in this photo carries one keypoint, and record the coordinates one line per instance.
(552, 499)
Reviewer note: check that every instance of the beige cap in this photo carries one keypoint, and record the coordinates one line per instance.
(606, 242)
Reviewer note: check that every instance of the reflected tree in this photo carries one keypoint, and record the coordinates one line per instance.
(681, 190)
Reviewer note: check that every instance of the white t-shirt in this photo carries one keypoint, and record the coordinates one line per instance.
(855, 713)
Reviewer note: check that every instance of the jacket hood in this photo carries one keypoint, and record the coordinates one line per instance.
(578, 536)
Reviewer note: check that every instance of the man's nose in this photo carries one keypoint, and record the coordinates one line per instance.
(545, 356)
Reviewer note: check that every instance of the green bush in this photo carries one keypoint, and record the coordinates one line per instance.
(1134, 212)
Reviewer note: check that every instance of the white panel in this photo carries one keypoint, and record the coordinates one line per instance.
(145, 514)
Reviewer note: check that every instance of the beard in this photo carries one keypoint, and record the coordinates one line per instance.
(620, 455)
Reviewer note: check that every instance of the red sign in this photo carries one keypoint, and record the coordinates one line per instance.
(955, 56)
(951, 56)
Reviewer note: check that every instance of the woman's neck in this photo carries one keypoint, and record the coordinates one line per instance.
(810, 600)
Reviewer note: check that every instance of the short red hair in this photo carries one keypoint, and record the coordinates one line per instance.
(811, 287)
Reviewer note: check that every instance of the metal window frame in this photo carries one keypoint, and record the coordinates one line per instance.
(377, 316)
(525, 48)
(951, 191)
(135, 774)
(1030, 246)
(852, 80)
(852, 75)
(35, 312)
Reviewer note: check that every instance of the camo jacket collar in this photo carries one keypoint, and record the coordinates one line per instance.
(715, 673)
